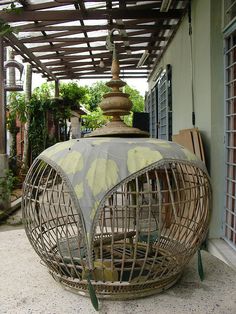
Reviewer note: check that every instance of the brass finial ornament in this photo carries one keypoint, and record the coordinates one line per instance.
(116, 103)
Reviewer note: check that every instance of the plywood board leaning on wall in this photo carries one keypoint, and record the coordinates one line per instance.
(191, 139)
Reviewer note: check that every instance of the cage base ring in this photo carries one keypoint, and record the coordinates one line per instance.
(130, 291)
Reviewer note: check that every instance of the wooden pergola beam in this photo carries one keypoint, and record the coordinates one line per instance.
(136, 56)
(62, 55)
(128, 65)
(76, 40)
(56, 36)
(48, 37)
(98, 77)
(83, 64)
(62, 46)
(72, 15)
(73, 1)
(49, 5)
(88, 28)
(132, 24)
(91, 70)
(45, 5)
(67, 44)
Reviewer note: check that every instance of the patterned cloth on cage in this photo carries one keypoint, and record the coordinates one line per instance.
(94, 167)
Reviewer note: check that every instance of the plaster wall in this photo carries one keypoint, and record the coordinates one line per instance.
(217, 120)
(208, 82)
(179, 56)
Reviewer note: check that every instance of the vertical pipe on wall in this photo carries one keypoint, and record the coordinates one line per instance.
(191, 61)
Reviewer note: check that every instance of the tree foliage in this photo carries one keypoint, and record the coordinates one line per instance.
(73, 94)
(41, 102)
(98, 89)
(95, 119)
(136, 98)
(17, 108)
(44, 92)
(95, 94)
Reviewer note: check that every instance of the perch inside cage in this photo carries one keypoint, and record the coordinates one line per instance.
(128, 213)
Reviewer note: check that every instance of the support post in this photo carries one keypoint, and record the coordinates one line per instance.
(2, 101)
(56, 132)
(4, 200)
(56, 88)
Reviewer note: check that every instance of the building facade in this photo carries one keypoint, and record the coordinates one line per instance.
(198, 72)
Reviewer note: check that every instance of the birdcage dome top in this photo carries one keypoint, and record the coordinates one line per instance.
(94, 167)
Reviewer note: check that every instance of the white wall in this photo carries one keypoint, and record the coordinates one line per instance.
(178, 55)
(208, 90)
(217, 118)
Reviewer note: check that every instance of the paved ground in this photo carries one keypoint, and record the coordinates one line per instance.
(13, 221)
(26, 287)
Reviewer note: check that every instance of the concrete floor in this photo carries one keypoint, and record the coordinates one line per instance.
(26, 287)
(14, 219)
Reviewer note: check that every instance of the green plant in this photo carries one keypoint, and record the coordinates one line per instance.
(5, 28)
(16, 110)
(7, 184)
(128, 119)
(42, 103)
(94, 120)
(73, 94)
(96, 92)
(37, 131)
(136, 98)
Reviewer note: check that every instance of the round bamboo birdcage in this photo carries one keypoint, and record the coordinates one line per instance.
(128, 212)
(118, 215)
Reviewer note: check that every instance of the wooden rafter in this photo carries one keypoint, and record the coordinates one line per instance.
(72, 15)
(78, 40)
(48, 26)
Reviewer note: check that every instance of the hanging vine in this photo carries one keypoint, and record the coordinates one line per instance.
(37, 127)
(41, 104)
(16, 111)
